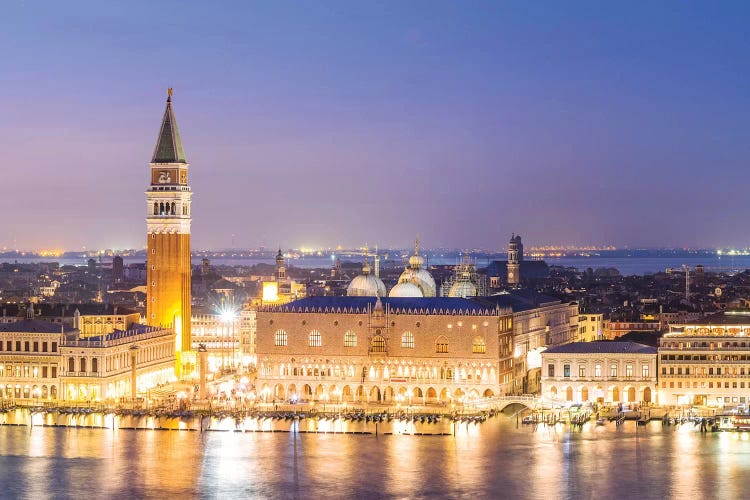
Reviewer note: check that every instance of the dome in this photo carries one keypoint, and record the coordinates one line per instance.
(406, 289)
(366, 285)
(422, 279)
(426, 282)
(463, 289)
(416, 261)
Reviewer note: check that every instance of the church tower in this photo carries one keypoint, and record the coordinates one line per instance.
(168, 239)
(515, 256)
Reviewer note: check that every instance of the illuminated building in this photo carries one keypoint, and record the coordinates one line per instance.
(603, 372)
(590, 327)
(616, 329)
(707, 362)
(516, 270)
(228, 335)
(390, 350)
(539, 322)
(40, 360)
(97, 368)
(283, 289)
(168, 239)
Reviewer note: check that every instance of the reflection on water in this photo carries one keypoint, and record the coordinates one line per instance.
(496, 459)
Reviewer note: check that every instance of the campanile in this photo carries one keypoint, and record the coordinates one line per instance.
(168, 239)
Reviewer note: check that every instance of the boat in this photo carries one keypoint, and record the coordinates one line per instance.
(601, 421)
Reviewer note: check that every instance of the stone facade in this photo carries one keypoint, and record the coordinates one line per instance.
(359, 349)
(603, 372)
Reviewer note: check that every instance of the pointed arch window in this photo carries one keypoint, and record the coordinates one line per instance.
(478, 346)
(156, 208)
(441, 345)
(377, 344)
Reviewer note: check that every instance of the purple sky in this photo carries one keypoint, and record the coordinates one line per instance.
(324, 123)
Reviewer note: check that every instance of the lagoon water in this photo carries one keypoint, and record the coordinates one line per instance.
(496, 459)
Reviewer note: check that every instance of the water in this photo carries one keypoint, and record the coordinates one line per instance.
(490, 460)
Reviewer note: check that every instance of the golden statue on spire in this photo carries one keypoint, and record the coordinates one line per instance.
(169, 92)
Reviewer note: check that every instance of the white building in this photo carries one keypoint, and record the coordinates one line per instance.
(603, 372)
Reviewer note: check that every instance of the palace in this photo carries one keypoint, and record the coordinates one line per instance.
(168, 209)
(367, 349)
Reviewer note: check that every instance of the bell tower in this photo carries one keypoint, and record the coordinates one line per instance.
(168, 240)
(515, 256)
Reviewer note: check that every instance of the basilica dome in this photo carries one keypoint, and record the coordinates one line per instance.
(406, 289)
(366, 285)
(463, 289)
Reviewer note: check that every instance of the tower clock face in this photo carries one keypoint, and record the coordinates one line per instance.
(510, 274)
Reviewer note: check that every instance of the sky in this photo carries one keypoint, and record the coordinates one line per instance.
(345, 123)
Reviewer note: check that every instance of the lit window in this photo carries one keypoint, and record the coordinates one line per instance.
(612, 370)
(280, 339)
(629, 370)
(441, 345)
(644, 371)
(377, 344)
(316, 340)
(478, 346)
(582, 371)
(350, 339)
(598, 370)
(566, 371)
(407, 340)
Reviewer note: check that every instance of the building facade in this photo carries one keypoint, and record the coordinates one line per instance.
(601, 372)
(706, 363)
(229, 338)
(43, 361)
(168, 220)
(390, 350)
(590, 327)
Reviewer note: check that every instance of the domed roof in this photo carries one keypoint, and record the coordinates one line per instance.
(366, 285)
(422, 279)
(406, 289)
(463, 289)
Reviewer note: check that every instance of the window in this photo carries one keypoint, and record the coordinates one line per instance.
(44, 346)
(613, 370)
(582, 371)
(629, 370)
(644, 371)
(316, 340)
(36, 346)
(597, 370)
(566, 371)
(83, 364)
(71, 364)
(441, 345)
(407, 340)
(350, 339)
(377, 344)
(54, 348)
(550, 370)
(478, 346)
(280, 338)
(54, 373)
(95, 365)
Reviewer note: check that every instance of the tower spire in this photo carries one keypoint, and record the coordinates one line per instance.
(169, 144)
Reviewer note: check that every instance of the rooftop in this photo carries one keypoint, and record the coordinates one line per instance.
(394, 305)
(35, 326)
(602, 347)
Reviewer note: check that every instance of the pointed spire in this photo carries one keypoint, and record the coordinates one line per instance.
(168, 144)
